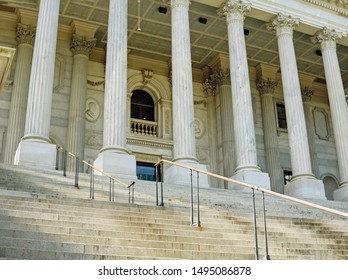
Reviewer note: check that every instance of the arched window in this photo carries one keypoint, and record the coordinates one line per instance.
(142, 106)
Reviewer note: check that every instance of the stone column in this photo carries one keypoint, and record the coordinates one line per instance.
(81, 48)
(114, 158)
(222, 79)
(19, 99)
(338, 106)
(307, 94)
(35, 148)
(209, 88)
(303, 183)
(247, 169)
(184, 150)
(266, 89)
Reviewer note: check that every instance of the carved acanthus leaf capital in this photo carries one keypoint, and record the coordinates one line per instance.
(209, 87)
(179, 3)
(326, 34)
(25, 34)
(283, 24)
(234, 10)
(82, 45)
(221, 77)
(266, 86)
(307, 94)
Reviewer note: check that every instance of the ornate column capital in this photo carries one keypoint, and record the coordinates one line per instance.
(82, 45)
(179, 3)
(327, 38)
(25, 34)
(209, 87)
(221, 77)
(307, 94)
(283, 24)
(266, 86)
(234, 10)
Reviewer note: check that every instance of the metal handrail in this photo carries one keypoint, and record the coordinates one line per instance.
(313, 205)
(160, 163)
(112, 179)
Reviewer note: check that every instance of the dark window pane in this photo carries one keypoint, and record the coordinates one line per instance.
(281, 116)
(142, 106)
(146, 171)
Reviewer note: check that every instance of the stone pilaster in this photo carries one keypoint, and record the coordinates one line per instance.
(184, 150)
(114, 158)
(81, 48)
(247, 169)
(222, 79)
(15, 131)
(307, 94)
(338, 106)
(303, 183)
(266, 89)
(209, 88)
(35, 148)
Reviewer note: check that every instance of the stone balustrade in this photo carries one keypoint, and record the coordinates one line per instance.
(143, 127)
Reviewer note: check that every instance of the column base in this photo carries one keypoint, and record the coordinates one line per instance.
(117, 164)
(342, 193)
(255, 178)
(36, 153)
(305, 187)
(181, 176)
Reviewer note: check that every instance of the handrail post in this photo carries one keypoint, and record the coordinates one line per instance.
(191, 199)
(77, 172)
(110, 189)
(64, 162)
(198, 211)
(133, 193)
(91, 184)
(267, 257)
(57, 158)
(157, 179)
(255, 227)
(113, 190)
(161, 177)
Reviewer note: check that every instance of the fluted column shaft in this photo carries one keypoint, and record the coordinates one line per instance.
(299, 149)
(183, 116)
(115, 117)
(338, 106)
(244, 133)
(266, 89)
(209, 88)
(38, 115)
(81, 48)
(308, 112)
(19, 99)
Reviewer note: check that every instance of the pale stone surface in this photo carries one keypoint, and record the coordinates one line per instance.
(40, 88)
(184, 149)
(299, 148)
(338, 106)
(36, 153)
(114, 137)
(244, 133)
(16, 122)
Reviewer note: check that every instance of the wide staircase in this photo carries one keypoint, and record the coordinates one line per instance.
(43, 216)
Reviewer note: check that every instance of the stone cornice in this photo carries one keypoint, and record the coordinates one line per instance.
(338, 6)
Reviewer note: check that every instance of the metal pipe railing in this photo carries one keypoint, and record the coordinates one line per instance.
(93, 169)
(245, 185)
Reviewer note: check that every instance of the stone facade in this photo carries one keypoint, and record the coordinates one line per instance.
(218, 111)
